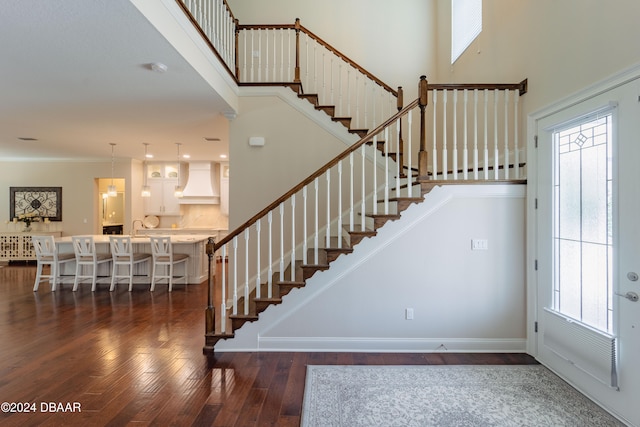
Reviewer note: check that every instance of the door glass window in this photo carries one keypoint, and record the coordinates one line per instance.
(583, 234)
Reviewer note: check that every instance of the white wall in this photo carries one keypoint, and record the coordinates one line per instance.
(79, 189)
(465, 300)
(392, 40)
(560, 46)
(295, 147)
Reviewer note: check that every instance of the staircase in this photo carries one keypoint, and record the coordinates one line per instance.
(452, 133)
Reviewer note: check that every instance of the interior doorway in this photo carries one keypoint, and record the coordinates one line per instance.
(111, 210)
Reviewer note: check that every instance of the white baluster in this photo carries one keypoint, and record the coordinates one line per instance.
(455, 134)
(506, 155)
(331, 78)
(244, 57)
(282, 34)
(475, 134)
(235, 275)
(251, 54)
(223, 290)
(293, 238)
(357, 121)
(275, 38)
(328, 229)
(323, 101)
(304, 225)
(270, 273)
(486, 134)
(445, 166)
(351, 207)
(340, 105)
(386, 170)
(496, 160)
(259, 54)
(364, 102)
(316, 231)
(246, 271)
(289, 55)
(398, 165)
(516, 99)
(258, 278)
(435, 137)
(315, 67)
(340, 204)
(349, 92)
(281, 242)
(266, 56)
(409, 163)
(362, 200)
(374, 199)
(465, 150)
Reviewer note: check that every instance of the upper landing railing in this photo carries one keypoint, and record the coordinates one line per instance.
(290, 54)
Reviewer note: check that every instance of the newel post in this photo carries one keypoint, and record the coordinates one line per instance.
(210, 312)
(422, 103)
(296, 79)
(237, 34)
(400, 140)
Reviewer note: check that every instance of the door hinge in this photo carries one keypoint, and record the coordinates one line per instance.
(535, 325)
(536, 202)
(535, 265)
(535, 141)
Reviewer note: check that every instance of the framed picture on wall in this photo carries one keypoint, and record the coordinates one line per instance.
(44, 202)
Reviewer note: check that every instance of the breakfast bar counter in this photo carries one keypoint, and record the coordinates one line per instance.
(192, 245)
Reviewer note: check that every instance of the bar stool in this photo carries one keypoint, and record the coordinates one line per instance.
(122, 256)
(86, 256)
(47, 253)
(163, 256)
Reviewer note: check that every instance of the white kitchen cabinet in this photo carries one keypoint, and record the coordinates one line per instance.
(162, 179)
(162, 200)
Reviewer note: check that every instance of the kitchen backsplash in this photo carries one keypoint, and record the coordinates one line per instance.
(197, 216)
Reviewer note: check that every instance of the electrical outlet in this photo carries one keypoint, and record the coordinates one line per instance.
(479, 245)
(408, 313)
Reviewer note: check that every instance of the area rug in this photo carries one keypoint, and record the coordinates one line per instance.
(487, 395)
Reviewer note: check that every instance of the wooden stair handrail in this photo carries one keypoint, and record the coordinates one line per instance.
(298, 26)
(195, 23)
(368, 137)
(521, 87)
(421, 101)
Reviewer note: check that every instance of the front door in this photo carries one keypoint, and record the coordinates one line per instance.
(588, 246)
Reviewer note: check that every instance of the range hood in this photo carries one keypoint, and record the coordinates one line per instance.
(202, 185)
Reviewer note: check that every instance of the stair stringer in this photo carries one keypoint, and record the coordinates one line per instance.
(305, 330)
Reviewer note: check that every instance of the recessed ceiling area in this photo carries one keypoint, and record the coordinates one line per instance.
(77, 75)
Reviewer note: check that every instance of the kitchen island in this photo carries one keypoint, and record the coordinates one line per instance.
(189, 244)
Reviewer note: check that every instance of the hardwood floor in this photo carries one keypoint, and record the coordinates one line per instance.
(135, 358)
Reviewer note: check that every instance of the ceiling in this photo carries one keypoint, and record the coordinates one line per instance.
(75, 75)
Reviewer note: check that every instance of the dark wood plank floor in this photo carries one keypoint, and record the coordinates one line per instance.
(135, 358)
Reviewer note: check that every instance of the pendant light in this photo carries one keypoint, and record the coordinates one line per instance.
(178, 190)
(111, 189)
(146, 190)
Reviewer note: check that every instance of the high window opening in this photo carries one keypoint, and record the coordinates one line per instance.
(466, 25)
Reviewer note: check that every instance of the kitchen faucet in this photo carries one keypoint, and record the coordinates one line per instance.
(133, 226)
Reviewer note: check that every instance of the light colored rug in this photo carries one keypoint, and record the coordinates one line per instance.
(451, 395)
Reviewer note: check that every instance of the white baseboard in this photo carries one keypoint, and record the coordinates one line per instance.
(387, 345)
